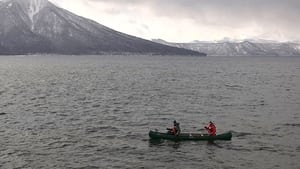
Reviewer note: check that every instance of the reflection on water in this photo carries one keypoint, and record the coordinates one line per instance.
(176, 144)
(213, 143)
(161, 143)
(156, 142)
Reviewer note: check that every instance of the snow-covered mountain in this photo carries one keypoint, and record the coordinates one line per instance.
(245, 48)
(38, 26)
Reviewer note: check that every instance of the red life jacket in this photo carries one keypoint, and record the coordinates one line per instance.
(212, 129)
(174, 130)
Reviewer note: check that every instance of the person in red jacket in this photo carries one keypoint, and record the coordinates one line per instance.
(211, 129)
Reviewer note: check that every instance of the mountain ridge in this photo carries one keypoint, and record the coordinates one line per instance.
(244, 48)
(38, 26)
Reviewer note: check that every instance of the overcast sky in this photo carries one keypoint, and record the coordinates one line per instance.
(188, 20)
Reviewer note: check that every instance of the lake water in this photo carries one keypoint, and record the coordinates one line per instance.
(88, 112)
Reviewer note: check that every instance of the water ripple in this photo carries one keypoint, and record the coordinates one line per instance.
(96, 111)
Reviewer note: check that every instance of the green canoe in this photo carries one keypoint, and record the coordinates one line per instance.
(189, 136)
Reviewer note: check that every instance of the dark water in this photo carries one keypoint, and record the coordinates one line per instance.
(87, 112)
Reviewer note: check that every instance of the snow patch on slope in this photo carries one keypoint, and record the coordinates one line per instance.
(32, 7)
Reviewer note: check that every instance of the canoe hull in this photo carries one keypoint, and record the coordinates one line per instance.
(190, 136)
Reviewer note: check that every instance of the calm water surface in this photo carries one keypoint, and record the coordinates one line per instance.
(86, 112)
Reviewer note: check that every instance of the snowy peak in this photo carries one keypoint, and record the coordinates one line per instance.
(31, 7)
(32, 4)
(38, 26)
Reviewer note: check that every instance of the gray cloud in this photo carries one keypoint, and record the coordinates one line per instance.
(236, 10)
(282, 15)
(273, 19)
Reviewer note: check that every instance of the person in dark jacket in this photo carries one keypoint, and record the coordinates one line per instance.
(175, 130)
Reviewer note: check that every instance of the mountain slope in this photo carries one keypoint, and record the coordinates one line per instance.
(244, 48)
(38, 26)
